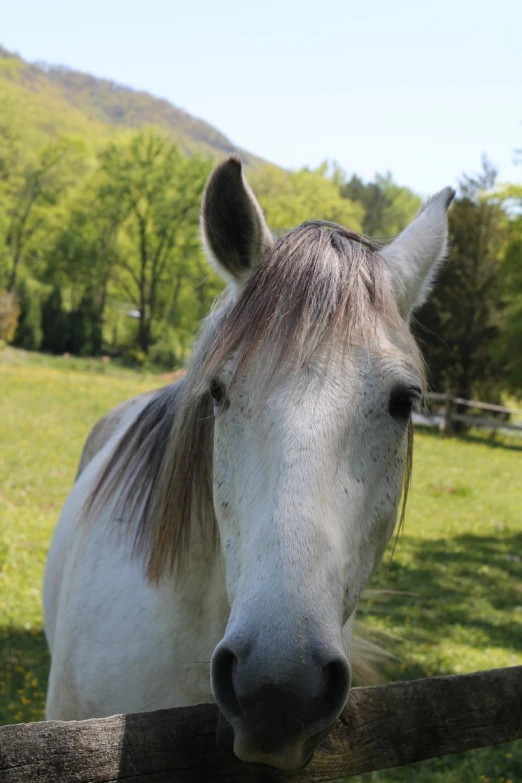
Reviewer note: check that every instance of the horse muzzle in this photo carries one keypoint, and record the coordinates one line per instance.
(289, 758)
(277, 715)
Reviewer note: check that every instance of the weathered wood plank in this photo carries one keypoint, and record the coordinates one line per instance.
(486, 406)
(381, 727)
(481, 421)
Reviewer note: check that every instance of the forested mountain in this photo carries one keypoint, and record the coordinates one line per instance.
(100, 193)
(54, 100)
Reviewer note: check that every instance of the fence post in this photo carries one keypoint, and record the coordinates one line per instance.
(447, 423)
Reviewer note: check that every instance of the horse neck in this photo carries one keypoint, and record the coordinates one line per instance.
(195, 599)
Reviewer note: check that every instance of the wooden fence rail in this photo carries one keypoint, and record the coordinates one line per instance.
(449, 415)
(382, 726)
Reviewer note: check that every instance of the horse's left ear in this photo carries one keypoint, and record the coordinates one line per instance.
(233, 226)
(415, 255)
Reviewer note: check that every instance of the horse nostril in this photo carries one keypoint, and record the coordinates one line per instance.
(224, 664)
(268, 707)
(334, 691)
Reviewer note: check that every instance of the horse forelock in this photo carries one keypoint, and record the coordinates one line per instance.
(319, 282)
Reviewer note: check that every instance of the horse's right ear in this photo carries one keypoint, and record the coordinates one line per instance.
(233, 226)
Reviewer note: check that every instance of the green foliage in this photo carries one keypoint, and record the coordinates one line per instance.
(9, 312)
(388, 208)
(55, 323)
(159, 191)
(168, 351)
(290, 198)
(78, 331)
(28, 333)
(507, 348)
(400, 208)
(29, 199)
(84, 328)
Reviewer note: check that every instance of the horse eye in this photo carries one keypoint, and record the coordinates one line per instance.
(402, 402)
(218, 393)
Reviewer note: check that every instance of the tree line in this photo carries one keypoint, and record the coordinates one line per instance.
(100, 253)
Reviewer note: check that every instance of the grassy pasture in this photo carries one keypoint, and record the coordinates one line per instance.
(459, 559)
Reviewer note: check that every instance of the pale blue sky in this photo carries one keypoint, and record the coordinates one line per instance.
(421, 89)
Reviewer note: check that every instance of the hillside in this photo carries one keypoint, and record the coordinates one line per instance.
(49, 101)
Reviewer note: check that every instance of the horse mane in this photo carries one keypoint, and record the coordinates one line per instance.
(319, 281)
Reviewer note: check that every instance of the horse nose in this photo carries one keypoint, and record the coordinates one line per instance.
(275, 707)
(223, 672)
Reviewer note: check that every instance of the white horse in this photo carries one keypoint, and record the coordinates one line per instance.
(216, 547)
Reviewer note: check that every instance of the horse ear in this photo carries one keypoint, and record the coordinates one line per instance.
(415, 255)
(233, 226)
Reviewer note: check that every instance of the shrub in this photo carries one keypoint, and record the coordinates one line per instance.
(55, 324)
(168, 350)
(85, 332)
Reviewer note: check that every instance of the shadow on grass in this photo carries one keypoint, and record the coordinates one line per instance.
(24, 667)
(494, 440)
(466, 587)
(465, 590)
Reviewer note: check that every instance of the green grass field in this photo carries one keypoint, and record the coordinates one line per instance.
(460, 557)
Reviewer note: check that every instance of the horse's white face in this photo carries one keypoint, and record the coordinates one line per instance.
(307, 484)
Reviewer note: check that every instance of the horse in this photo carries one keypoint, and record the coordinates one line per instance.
(218, 538)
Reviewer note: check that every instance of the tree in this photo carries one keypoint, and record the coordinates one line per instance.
(85, 329)
(159, 190)
(9, 312)
(388, 208)
(86, 250)
(29, 329)
(290, 198)
(508, 345)
(55, 323)
(373, 200)
(28, 196)
(9, 141)
(460, 323)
